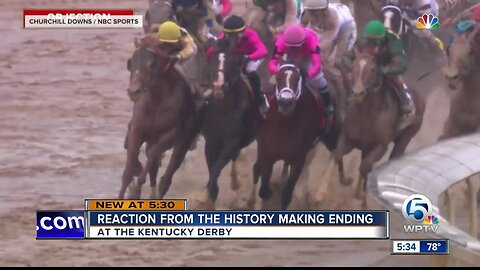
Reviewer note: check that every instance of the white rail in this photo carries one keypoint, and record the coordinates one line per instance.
(431, 171)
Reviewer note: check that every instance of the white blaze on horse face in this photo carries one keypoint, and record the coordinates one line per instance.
(220, 79)
(358, 87)
(388, 19)
(221, 59)
(288, 73)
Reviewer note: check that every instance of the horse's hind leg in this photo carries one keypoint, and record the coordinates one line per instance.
(403, 139)
(295, 171)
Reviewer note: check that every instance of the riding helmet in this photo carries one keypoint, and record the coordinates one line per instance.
(316, 4)
(169, 32)
(374, 29)
(294, 36)
(234, 24)
(476, 13)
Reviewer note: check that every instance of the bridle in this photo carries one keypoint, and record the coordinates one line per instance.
(287, 91)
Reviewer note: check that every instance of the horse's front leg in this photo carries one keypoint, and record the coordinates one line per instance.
(179, 152)
(295, 171)
(368, 160)
(134, 143)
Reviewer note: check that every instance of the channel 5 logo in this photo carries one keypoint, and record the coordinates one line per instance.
(417, 210)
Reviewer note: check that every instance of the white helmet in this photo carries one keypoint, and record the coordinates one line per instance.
(316, 4)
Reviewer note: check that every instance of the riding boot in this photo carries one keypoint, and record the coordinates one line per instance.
(405, 97)
(327, 107)
(407, 105)
(256, 87)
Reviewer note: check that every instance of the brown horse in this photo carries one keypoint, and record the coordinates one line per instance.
(463, 75)
(163, 116)
(232, 118)
(159, 11)
(372, 120)
(289, 132)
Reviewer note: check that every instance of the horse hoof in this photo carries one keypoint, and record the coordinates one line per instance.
(265, 193)
(134, 193)
(153, 194)
(359, 195)
(346, 181)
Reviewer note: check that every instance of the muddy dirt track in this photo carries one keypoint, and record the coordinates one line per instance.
(64, 111)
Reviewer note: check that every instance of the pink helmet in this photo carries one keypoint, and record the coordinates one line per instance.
(476, 13)
(294, 36)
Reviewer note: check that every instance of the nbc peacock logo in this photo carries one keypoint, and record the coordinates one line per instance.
(431, 220)
(428, 21)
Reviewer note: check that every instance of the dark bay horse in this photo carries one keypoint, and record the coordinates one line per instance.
(163, 116)
(463, 75)
(290, 130)
(232, 118)
(372, 120)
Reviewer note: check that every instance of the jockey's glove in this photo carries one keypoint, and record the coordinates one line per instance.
(174, 58)
(245, 59)
(329, 110)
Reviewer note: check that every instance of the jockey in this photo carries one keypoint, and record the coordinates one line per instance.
(221, 9)
(290, 12)
(334, 23)
(176, 41)
(391, 55)
(248, 44)
(179, 44)
(199, 7)
(299, 43)
(413, 9)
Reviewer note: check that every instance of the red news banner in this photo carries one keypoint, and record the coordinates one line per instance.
(81, 18)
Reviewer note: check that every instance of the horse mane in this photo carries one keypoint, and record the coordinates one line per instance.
(152, 42)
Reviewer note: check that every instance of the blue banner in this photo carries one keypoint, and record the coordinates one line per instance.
(434, 246)
(239, 218)
(60, 224)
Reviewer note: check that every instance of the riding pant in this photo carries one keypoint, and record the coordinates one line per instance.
(318, 81)
(346, 39)
(252, 65)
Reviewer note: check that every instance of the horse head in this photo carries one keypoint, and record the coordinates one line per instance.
(288, 88)
(159, 11)
(366, 74)
(225, 67)
(393, 19)
(461, 59)
(146, 64)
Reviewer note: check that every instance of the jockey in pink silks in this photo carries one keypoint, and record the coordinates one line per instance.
(300, 43)
(249, 44)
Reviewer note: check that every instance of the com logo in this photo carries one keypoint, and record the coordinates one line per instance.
(416, 208)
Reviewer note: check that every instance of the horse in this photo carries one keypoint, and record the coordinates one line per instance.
(372, 120)
(290, 130)
(158, 12)
(463, 75)
(256, 18)
(163, 116)
(421, 54)
(232, 118)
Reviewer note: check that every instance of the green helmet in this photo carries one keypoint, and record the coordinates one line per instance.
(374, 29)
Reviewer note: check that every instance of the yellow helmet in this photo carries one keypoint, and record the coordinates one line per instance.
(169, 32)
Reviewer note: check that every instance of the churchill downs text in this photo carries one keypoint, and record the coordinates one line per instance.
(232, 218)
